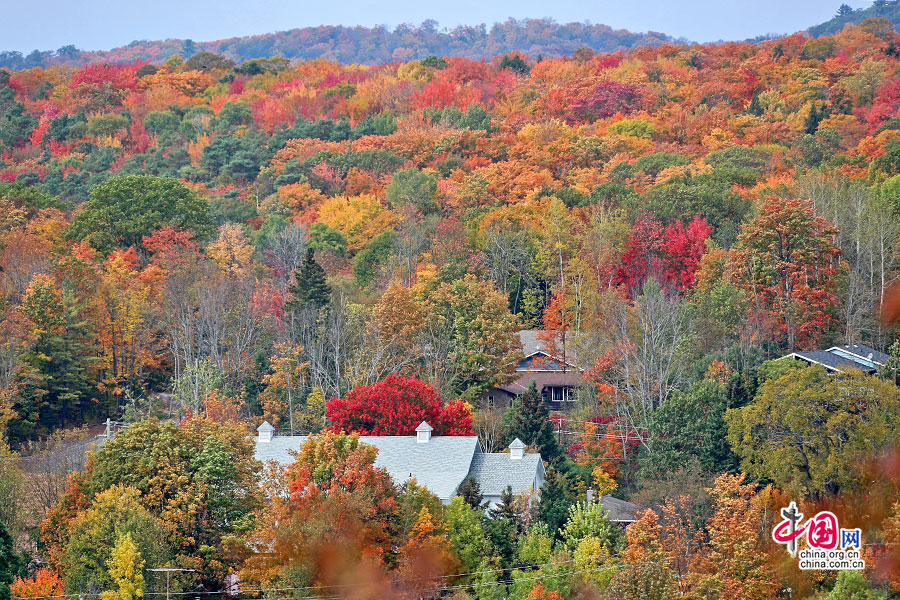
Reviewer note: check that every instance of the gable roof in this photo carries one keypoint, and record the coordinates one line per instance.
(440, 465)
(542, 379)
(533, 345)
(841, 358)
(618, 510)
(495, 471)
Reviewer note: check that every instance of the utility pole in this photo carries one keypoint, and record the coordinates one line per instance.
(168, 571)
(290, 395)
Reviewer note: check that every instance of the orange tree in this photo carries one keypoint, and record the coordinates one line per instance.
(786, 261)
(332, 512)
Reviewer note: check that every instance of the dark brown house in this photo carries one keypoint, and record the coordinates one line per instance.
(556, 377)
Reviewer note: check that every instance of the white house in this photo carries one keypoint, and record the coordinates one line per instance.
(438, 462)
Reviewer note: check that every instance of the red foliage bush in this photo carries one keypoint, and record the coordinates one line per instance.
(606, 99)
(395, 406)
(671, 255)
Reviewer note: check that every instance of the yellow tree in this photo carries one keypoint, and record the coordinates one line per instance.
(283, 383)
(231, 251)
(359, 218)
(126, 568)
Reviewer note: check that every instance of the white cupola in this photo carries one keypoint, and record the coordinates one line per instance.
(266, 432)
(423, 433)
(516, 450)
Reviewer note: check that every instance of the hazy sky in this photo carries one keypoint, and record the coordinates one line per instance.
(104, 24)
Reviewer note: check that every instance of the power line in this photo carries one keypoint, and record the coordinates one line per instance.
(536, 578)
(318, 587)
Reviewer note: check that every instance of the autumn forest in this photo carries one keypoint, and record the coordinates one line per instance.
(192, 246)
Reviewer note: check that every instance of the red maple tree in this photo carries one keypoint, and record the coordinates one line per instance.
(396, 406)
(671, 254)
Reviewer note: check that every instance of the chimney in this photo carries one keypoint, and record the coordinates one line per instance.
(516, 450)
(423, 433)
(266, 431)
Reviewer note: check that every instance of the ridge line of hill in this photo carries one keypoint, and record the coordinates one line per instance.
(368, 45)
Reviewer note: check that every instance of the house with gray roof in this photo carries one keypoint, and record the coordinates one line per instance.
(843, 358)
(619, 511)
(440, 463)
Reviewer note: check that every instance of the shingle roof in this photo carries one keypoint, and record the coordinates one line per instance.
(495, 471)
(440, 465)
(827, 359)
(841, 358)
(863, 351)
(531, 344)
(618, 510)
(542, 379)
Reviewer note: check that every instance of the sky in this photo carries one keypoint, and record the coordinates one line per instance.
(105, 24)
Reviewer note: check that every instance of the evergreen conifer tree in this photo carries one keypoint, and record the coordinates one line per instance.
(531, 423)
(557, 495)
(471, 492)
(507, 507)
(309, 290)
(9, 562)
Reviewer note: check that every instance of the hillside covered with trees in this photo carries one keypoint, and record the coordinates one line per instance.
(366, 45)
(846, 15)
(350, 249)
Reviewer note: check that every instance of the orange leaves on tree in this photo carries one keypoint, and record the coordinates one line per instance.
(734, 555)
(786, 261)
(43, 584)
(539, 592)
(220, 408)
(170, 247)
(427, 554)
(269, 113)
(37, 135)
(339, 514)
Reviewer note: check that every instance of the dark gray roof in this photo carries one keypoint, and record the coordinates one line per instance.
(440, 465)
(863, 351)
(618, 510)
(841, 358)
(827, 359)
(495, 471)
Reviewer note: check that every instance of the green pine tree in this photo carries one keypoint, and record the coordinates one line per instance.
(10, 562)
(507, 508)
(471, 492)
(309, 290)
(531, 424)
(557, 495)
(814, 118)
(15, 122)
